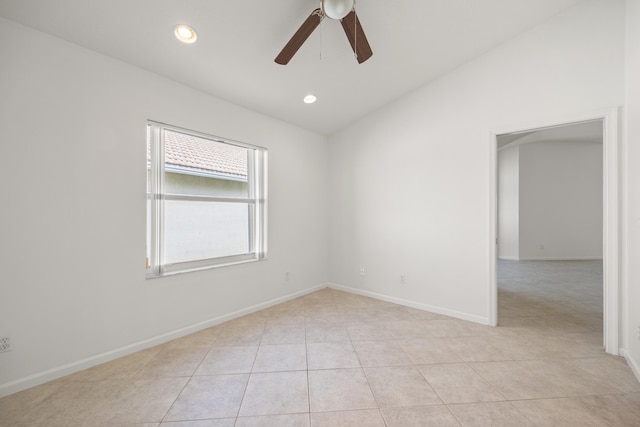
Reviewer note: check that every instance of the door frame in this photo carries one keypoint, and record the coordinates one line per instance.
(610, 205)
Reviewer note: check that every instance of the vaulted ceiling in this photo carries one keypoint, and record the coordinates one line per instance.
(413, 42)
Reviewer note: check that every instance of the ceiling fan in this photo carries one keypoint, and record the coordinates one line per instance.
(342, 10)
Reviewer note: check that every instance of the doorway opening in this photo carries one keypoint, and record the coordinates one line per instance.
(554, 260)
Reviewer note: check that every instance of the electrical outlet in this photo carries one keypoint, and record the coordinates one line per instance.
(287, 276)
(362, 271)
(5, 344)
(403, 279)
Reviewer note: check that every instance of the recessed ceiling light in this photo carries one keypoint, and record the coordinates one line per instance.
(310, 99)
(185, 33)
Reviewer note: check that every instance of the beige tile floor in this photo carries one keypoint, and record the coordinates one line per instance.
(337, 359)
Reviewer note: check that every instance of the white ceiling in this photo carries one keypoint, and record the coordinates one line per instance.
(413, 42)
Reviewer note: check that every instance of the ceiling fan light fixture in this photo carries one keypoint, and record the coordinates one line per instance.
(310, 99)
(337, 9)
(185, 33)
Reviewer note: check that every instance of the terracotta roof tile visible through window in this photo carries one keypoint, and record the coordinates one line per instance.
(201, 154)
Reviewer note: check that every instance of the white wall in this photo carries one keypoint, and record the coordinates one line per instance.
(410, 183)
(509, 203)
(632, 175)
(72, 222)
(560, 200)
(550, 200)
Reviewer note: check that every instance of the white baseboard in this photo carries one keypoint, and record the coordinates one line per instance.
(634, 365)
(407, 303)
(77, 366)
(574, 258)
(509, 258)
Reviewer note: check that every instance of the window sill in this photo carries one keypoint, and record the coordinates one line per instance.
(207, 267)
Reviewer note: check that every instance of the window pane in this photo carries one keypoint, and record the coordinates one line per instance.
(202, 230)
(202, 167)
(148, 229)
(148, 159)
(192, 233)
(149, 187)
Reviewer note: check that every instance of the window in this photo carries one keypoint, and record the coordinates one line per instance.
(205, 201)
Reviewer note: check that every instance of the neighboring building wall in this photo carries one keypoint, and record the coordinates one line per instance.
(508, 203)
(560, 200)
(191, 184)
(204, 186)
(200, 230)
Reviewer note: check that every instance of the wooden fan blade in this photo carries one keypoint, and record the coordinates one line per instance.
(299, 37)
(355, 34)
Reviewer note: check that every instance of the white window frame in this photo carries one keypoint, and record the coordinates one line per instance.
(256, 200)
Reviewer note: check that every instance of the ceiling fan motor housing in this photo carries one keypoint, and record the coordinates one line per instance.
(337, 9)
